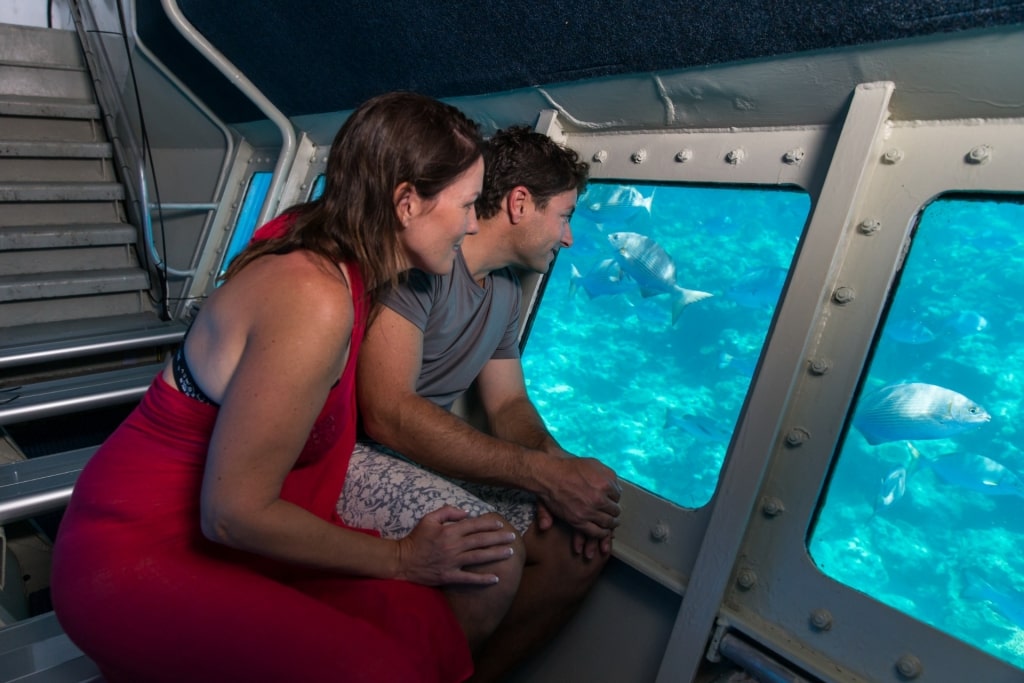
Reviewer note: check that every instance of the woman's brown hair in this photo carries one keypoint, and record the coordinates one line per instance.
(388, 140)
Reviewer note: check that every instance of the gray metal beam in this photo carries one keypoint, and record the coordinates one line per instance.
(741, 480)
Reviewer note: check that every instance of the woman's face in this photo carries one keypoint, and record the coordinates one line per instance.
(434, 228)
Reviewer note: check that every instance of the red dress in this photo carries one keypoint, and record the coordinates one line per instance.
(139, 589)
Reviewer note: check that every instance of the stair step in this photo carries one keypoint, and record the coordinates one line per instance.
(72, 283)
(48, 107)
(21, 237)
(38, 485)
(37, 45)
(60, 192)
(71, 394)
(57, 150)
(37, 650)
(47, 342)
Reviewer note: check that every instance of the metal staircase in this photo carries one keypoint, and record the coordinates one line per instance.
(75, 308)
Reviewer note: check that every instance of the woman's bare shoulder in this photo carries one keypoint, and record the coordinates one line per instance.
(296, 287)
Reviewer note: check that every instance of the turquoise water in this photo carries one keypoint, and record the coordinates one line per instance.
(616, 379)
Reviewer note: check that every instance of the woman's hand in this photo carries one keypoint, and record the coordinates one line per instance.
(445, 542)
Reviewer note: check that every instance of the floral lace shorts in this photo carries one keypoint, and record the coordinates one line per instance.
(385, 491)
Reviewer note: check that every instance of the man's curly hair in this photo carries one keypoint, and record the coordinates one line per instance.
(519, 155)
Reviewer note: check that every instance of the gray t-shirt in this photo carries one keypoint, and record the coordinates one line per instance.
(464, 325)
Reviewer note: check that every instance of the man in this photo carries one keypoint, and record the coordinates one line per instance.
(432, 338)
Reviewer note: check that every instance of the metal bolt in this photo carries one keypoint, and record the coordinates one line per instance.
(660, 532)
(735, 156)
(794, 156)
(684, 155)
(600, 156)
(908, 666)
(843, 295)
(979, 155)
(821, 619)
(819, 366)
(869, 226)
(746, 578)
(772, 507)
(639, 156)
(892, 156)
(797, 436)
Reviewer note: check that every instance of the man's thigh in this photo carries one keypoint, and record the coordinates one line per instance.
(388, 493)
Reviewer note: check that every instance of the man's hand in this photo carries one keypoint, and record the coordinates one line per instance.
(584, 493)
(581, 544)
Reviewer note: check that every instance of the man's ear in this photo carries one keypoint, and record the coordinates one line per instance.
(406, 202)
(517, 202)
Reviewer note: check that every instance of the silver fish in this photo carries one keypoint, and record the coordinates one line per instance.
(892, 487)
(1009, 603)
(965, 323)
(623, 204)
(908, 331)
(653, 269)
(916, 411)
(759, 288)
(605, 279)
(700, 427)
(977, 473)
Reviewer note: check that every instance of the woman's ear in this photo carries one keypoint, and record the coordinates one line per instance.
(406, 202)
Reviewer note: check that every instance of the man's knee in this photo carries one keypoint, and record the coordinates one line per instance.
(552, 557)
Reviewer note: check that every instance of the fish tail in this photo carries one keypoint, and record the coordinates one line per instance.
(685, 298)
(915, 458)
(574, 279)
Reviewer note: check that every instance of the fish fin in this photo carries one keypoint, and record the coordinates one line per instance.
(647, 293)
(685, 298)
(574, 279)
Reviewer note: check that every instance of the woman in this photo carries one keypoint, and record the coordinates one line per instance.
(201, 542)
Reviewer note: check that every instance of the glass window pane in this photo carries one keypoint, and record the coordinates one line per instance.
(318, 187)
(245, 225)
(630, 363)
(923, 510)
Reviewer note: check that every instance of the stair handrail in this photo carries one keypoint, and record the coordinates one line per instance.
(126, 147)
(289, 146)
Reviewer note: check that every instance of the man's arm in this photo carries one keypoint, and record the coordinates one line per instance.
(395, 415)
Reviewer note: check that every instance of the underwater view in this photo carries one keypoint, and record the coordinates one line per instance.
(648, 338)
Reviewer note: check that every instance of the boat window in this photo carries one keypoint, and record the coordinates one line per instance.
(924, 506)
(651, 325)
(318, 187)
(245, 224)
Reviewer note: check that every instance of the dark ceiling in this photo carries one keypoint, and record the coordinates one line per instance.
(312, 56)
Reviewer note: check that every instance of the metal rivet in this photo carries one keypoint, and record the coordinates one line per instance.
(797, 436)
(843, 295)
(908, 666)
(892, 156)
(660, 532)
(772, 507)
(746, 578)
(821, 620)
(684, 155)
(600, 156)
(794, 156)
(869, 226)
(979, 155)
(735, 156)
(639, 156)
(819, 366)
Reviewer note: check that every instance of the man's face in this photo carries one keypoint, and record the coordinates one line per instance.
(547, 231)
